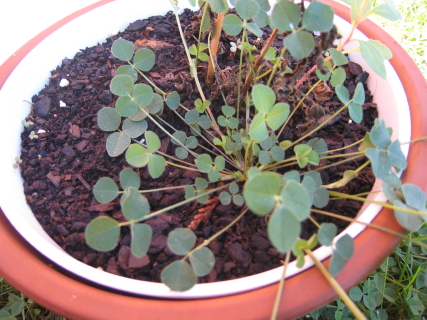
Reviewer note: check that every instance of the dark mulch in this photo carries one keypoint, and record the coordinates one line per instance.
(61, 166)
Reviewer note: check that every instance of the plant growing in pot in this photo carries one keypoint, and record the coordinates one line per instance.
(249, 161)
(230, 191)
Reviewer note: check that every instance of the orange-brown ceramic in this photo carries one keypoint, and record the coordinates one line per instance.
(36, 277)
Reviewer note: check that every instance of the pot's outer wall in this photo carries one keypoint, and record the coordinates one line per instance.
(36, 277)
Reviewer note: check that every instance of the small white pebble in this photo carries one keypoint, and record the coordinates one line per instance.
(62, 104)
(41, 131)
(350, 121)
(142, 140)
(64, 83)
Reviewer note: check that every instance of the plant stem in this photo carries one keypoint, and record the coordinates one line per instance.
(334, 284)
(216, 235)
(280, 287)
(258, 61)
(384, 204)
(214, 47)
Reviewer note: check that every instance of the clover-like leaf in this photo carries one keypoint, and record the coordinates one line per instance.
(219, 6)
(254, 28)
(225, 198)
(123, 49)
(181, 241)
(318, 17)
(141, 238)
(285, 15)
(125, 106)
(129, 178)
(338, 57)
(102, 233)
(264, 98)
(338, 77)
(137, 156)
(143, 95)
(105, 190)
(375, 53)
(108, 119)
(345, 246)
(156, 165)
(337, 263)
(173, 100)
(204, 163)
(342, 94)
(121, 85)
(388, 10)
(117, 143)
(258, 129)
(356, 112)
(396, 156)
(327, 233)
(129, 70)
(134, 129)
(134, 205)
(414, 196)
(260, 192)
(144, 59)
(278, 115)
(299, 43)
(380, 136)
(153, 141)
(232, 24)
(296, 198)
(359, 94)
(283, 229)
(179, 276)
(203, 261)
(247, 8)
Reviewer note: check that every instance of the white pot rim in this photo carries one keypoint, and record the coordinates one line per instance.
(12, 199)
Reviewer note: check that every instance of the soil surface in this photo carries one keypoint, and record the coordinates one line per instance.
(64, 162)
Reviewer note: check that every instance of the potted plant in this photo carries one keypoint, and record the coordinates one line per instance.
(232, 300)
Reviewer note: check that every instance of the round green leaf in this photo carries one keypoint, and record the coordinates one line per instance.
(264, 98)
(411, 222)
(356, 112)
(123, 49)
(108, 119)
(129, 70)
(143, 95)
(278, 115)
(285, 15)
(117, 143)
(181, 241)
(232, 24)
(260, 192)
(192, 116)
(156, 165)
(214, 175)
(102, 233)
(144, 59)
(105, 190)
(152, 141)
(234, 188)
(355, 294)
(318, 17)
(219, 6)
(338, 57)
(181, 153)
(264, 157)
(205, 122)
(359, 94)
(300, 44)
(337, 263)
(327, 233)
(228, 111)
(258, 129)
(296, 199)
(345, 246)
(141, 239)
(338, 77)
(220, 163)
(129, 178)
(121, 85)
(342, 94)
(225, 198)
(247, 8)
(414, 196)
(156, 104)
(179, 276)
(283, 229)
(238, 200)
(173, 100)
(261, 19)
(277, 153)
(255, 29)
(134, 205)
(137, 156)
(204, 163)
(180, 137)
(191, 142)
(202, 261)
(134, 129)
(201, 183)
(125, 106)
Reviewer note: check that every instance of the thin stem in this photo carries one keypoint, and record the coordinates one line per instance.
(176, 205)
(384, 204)
(214, 47)
(280, 287)
(343, 148)
(216, 235)
(276, 65)
(202, 22)
(239, 94)
(334, 284)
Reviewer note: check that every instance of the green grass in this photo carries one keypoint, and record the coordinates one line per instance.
(398, 289)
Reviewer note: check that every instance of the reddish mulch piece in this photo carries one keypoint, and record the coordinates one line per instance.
(61, 166)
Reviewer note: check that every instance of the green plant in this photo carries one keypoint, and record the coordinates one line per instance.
(247, 161)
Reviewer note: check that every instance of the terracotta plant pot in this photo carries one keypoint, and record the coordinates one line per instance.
(74, 297)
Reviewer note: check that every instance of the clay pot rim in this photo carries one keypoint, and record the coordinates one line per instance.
(60, 289)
